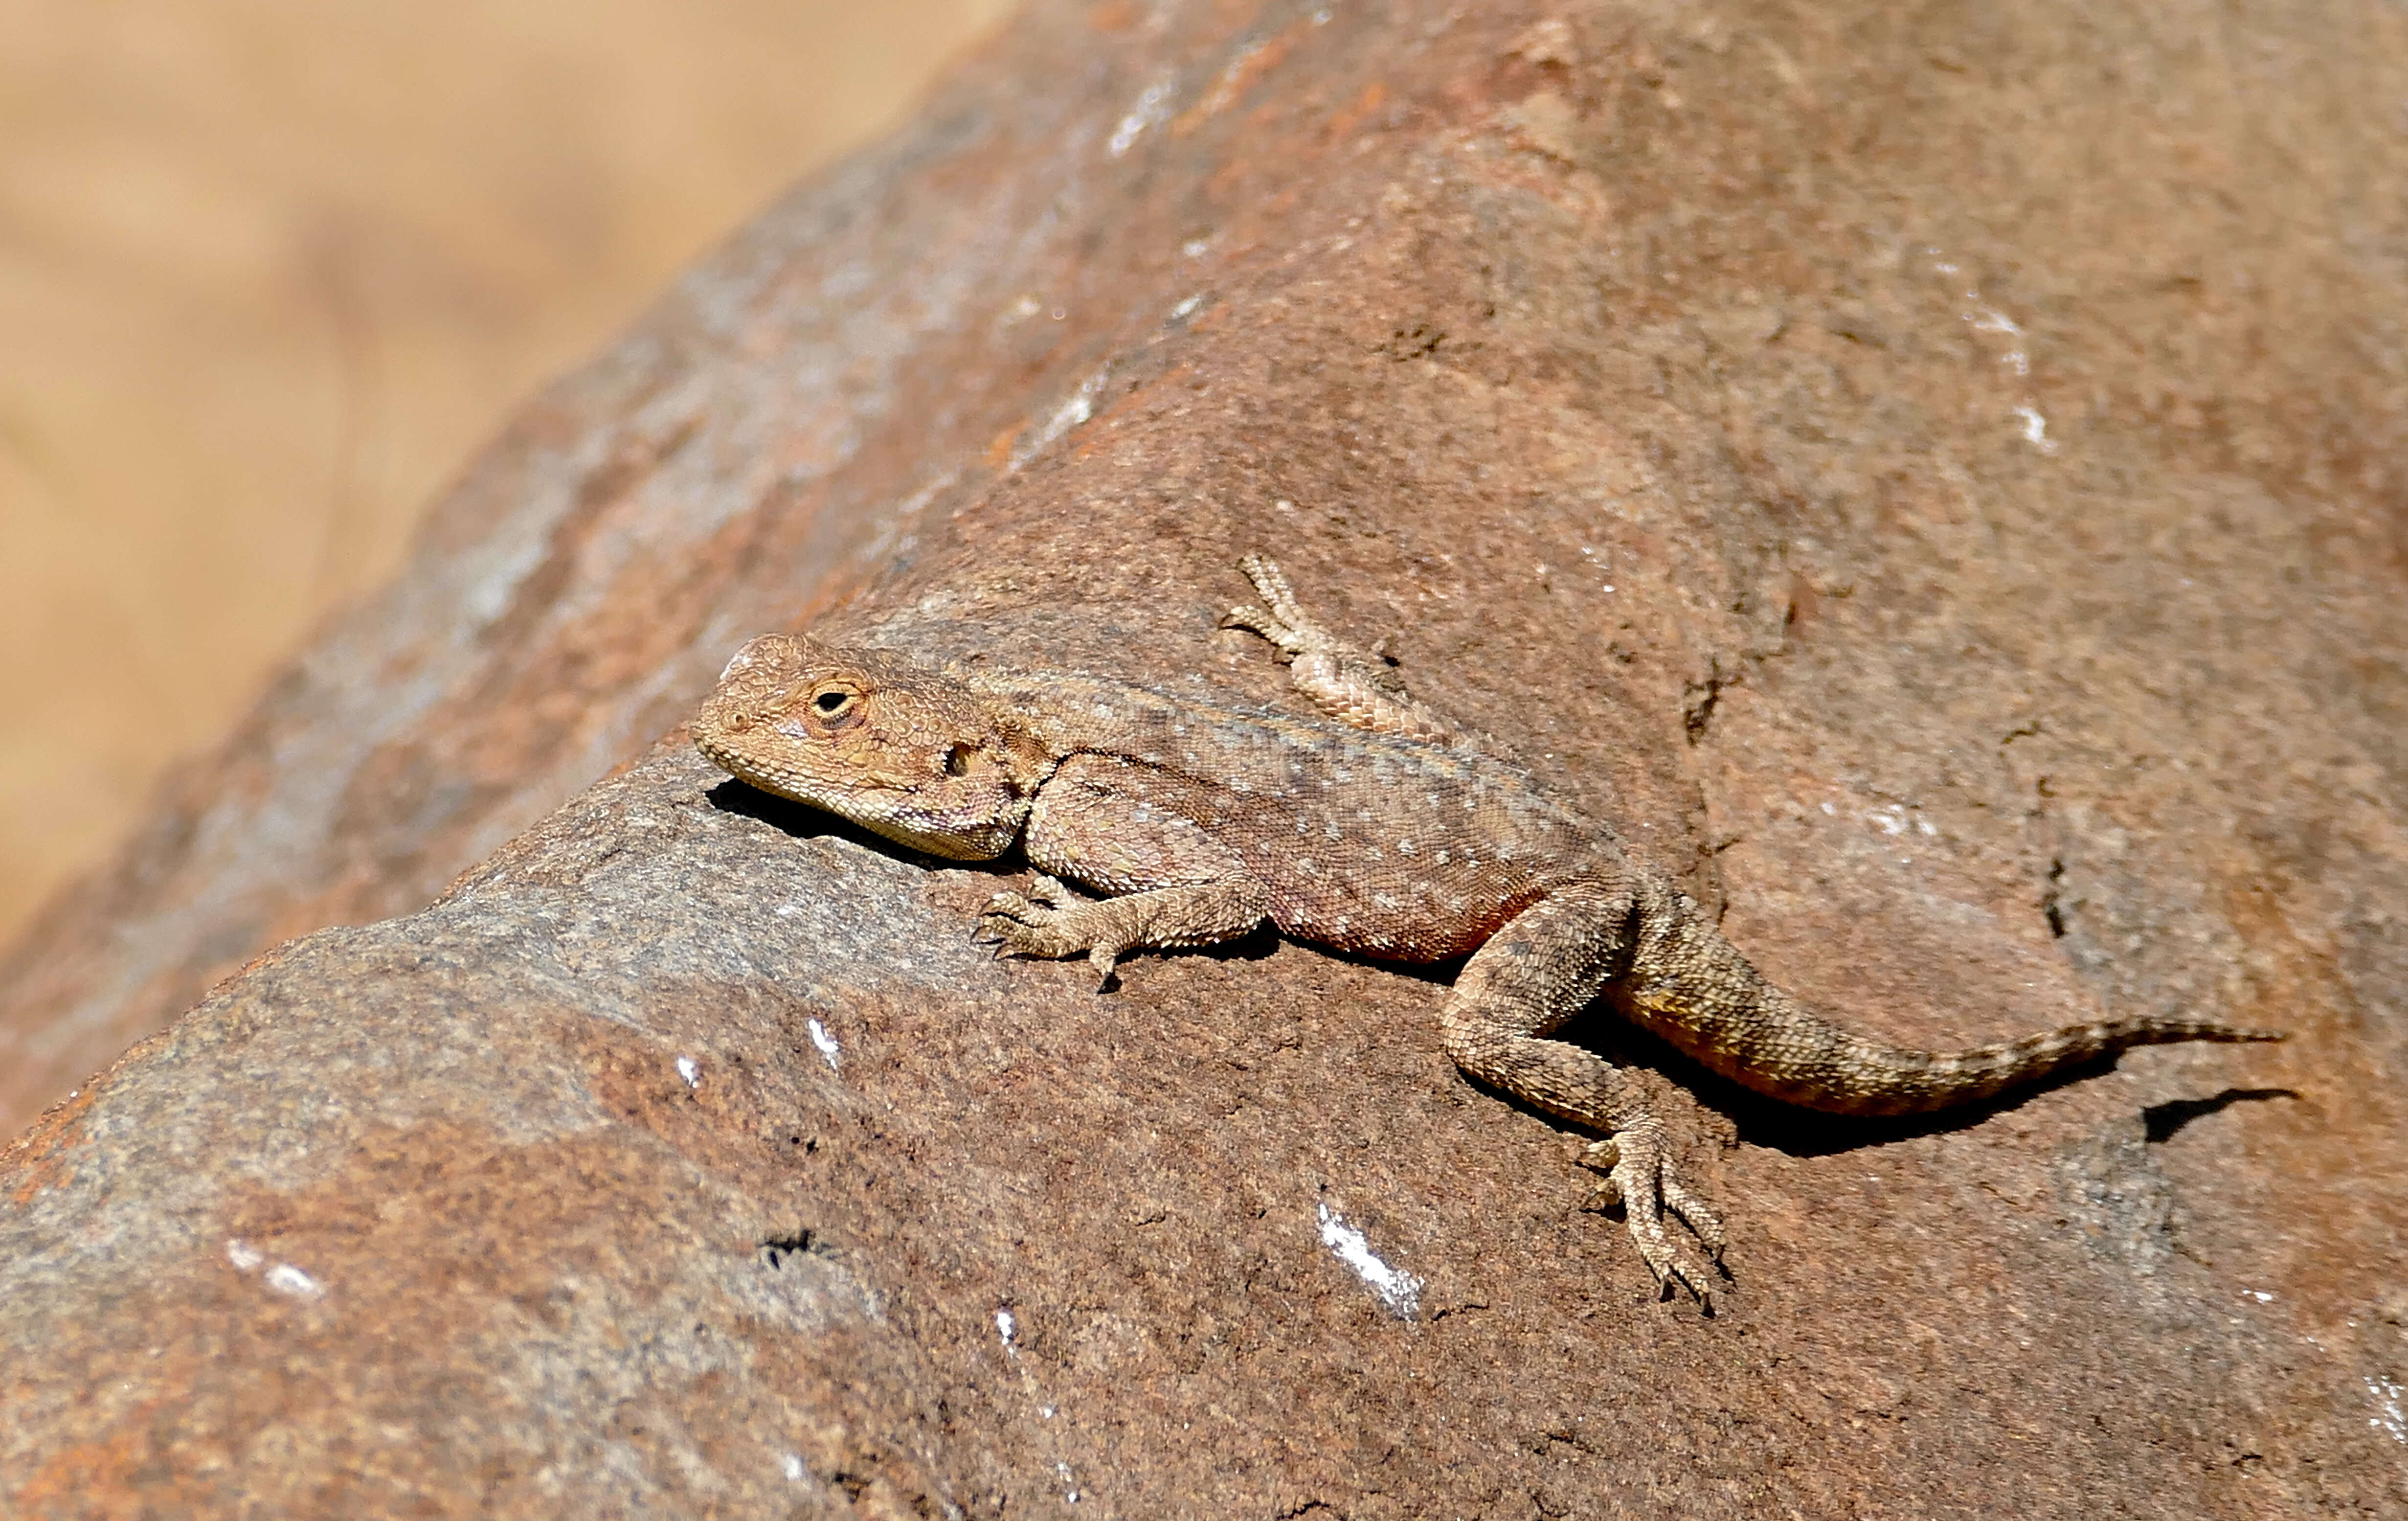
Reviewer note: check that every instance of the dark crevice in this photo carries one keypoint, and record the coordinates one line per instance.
(2052, 902)
(1698, 699)
(776, 1249)
(1419, 341)
(854, 1485)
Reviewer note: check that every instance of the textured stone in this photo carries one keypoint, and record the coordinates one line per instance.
(1932, 475)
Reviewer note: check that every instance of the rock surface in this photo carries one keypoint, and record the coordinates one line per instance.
(1933, 476)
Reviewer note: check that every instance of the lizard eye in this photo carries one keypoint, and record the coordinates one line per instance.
(833, 702)
(957, 761)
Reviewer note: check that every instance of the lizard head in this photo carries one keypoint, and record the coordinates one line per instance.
(897, 748)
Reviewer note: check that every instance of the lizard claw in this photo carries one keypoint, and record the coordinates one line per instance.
(1641, 1175)
(1260, 620)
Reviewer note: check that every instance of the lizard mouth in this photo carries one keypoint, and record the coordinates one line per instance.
(770, 779)
(883, 807)
(793, 785)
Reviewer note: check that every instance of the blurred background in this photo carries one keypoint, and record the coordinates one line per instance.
(270, 271)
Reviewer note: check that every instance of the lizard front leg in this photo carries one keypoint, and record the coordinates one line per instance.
(1532, 976)
(1048, 923)
(1129, 830)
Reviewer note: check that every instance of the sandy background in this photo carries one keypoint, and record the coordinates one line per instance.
(270, 270)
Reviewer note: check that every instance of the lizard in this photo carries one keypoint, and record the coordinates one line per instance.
(1390, 832)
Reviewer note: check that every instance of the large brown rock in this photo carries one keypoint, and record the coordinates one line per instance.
(1933, 474)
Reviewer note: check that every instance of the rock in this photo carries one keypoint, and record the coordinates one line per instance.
(1935, 485)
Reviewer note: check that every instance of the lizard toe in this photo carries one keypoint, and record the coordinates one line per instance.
(1046, 892)
(1005, 906)
(1040, 937)
(1703, 1222)
(1599, 1158)
(1268, 579)
(1012, 939)
(1261, 620)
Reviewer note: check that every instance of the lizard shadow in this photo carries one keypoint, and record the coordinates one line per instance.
(804, 822)
(2160, 1121)
(801, 820)
(1758, 1121)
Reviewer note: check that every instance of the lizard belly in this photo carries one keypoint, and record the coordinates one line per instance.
(1395, 915)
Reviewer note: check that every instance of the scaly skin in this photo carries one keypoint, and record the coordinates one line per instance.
(1391, 834)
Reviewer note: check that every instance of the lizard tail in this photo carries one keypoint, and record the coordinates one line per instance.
(1692, 987)
(1853, 1075)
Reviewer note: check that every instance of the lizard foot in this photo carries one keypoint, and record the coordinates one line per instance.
(1641, 1176)
(1042, 922)
(1280, 620)
(1029, 924)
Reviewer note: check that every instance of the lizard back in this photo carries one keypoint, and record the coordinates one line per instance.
(1389, 847)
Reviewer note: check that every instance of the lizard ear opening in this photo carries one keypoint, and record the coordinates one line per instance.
(957, 761)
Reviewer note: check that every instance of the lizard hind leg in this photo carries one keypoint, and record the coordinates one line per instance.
(1531, 976)
(1347, 683)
